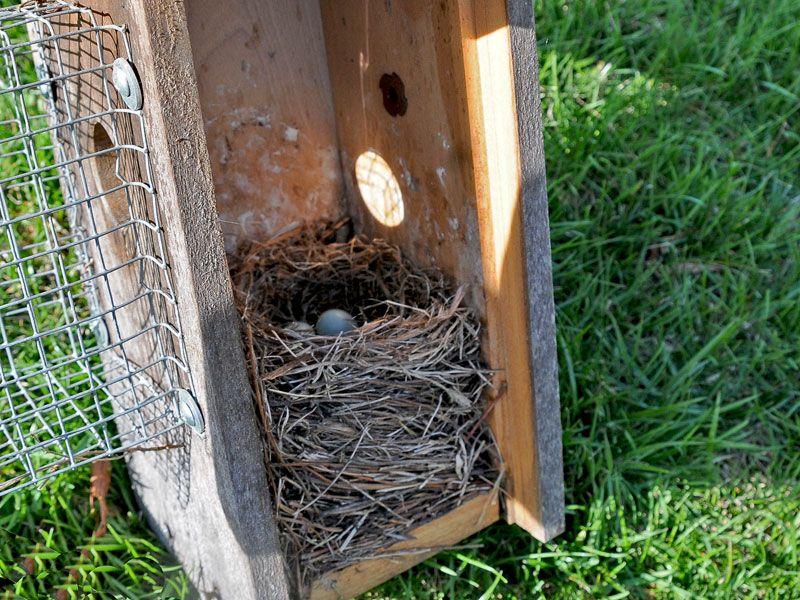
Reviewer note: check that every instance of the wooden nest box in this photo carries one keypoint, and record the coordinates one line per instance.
(421, 121)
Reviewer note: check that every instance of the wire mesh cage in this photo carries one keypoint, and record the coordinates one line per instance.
(92, 358)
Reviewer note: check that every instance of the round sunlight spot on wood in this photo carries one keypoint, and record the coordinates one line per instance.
(379, 189)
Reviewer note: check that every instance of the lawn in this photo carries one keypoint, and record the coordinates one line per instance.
(672, 137)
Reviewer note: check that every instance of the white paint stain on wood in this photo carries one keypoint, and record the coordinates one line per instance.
(440, 173)
(290, 134)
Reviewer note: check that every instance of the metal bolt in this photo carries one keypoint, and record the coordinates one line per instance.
(125, 80)
(190, 412)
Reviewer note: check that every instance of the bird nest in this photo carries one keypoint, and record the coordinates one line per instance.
(372, 432)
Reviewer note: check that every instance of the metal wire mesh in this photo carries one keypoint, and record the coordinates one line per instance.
(91, 351)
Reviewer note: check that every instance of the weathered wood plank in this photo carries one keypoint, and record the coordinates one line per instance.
(268, 115)
(538, 271)
(512, 213)
(425, 541)
(209, 502)
(428, 147)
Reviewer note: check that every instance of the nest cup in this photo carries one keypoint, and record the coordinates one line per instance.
(375, 431)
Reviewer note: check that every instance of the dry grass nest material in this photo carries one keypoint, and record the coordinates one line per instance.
(378, 430)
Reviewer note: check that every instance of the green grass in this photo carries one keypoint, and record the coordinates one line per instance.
(673, 142)
(54, 525)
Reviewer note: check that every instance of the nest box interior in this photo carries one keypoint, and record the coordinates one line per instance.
(417, 120)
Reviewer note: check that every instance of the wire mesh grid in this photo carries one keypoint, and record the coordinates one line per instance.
(91, 351)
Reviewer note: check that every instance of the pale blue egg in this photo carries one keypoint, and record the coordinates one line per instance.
(334, 322)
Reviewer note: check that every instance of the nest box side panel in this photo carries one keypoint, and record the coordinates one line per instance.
(535, 223)
(207, 499)
(440, 137)
(502, 81)
(266, 101)
(397, 77)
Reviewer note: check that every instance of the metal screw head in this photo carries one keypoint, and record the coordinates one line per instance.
(125, 80)
(189, 411)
